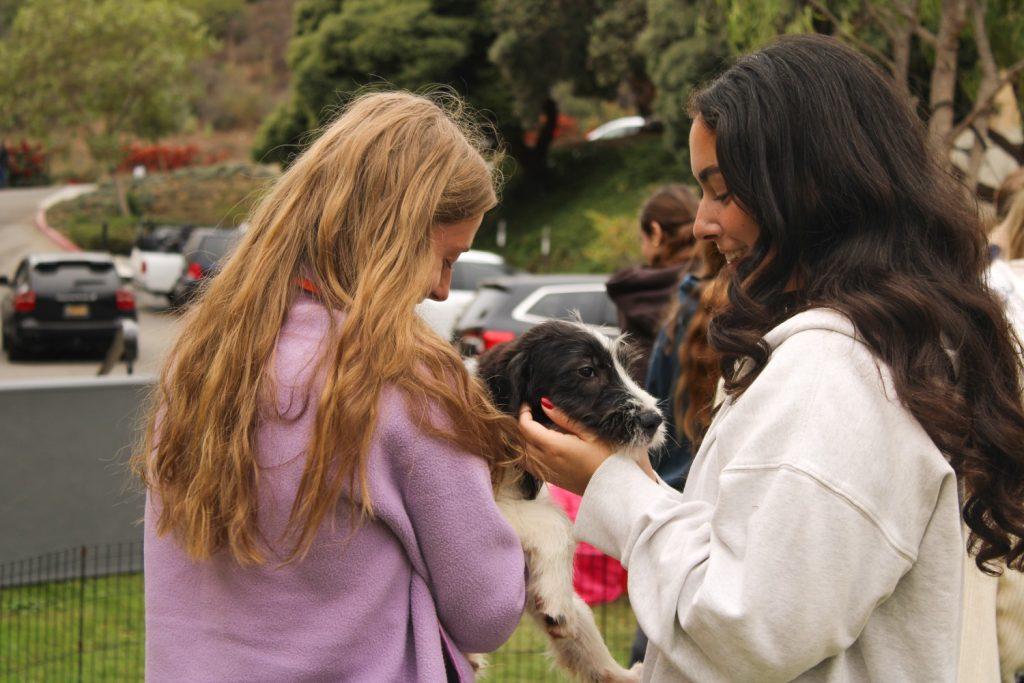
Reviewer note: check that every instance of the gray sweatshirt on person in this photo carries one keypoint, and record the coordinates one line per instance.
(818, 537)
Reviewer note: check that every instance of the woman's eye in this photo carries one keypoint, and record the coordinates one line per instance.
(586, 371)
(723, 197)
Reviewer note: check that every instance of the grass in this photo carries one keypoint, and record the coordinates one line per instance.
(590, 202)
(44, 627)
(41, 625)
(523, 660)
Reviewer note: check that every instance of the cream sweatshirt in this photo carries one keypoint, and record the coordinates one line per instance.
(818, 536)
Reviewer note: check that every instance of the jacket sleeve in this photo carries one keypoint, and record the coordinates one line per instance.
(798, 590)
(785, 568)
(473, 557)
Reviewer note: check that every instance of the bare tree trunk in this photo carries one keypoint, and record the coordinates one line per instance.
(900, 36)
(943, 83)
(121, 192)
(986, 89)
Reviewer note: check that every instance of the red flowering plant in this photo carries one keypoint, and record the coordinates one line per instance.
(159, 157)
(26, 164)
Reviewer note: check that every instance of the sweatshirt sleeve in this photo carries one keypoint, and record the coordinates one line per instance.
(473, 557)
(786, 567)
(798, 589)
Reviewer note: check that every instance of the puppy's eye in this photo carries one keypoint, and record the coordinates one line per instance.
(586, 371)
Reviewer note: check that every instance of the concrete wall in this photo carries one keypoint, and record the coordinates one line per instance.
(64, 445)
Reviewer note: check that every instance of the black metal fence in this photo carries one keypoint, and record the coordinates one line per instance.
(78, 615)
(75, 615)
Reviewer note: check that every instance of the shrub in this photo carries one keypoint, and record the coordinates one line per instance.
(159, 157)
(27, 164)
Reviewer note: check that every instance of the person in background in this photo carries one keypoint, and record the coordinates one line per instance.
(871, 379)
(1002, 233)
(683, 376)
(5, 165)
(319, 503)
(644, 293)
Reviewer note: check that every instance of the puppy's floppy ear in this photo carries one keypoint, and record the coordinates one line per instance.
(505, 369)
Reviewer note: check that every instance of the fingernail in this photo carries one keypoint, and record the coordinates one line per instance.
(547, 403)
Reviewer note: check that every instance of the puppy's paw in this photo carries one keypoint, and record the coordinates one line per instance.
(556, 623)
(619, 675)
(477, 661)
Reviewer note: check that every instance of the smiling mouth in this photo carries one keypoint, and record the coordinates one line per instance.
(733, 256)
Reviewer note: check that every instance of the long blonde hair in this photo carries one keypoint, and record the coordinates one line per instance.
(354, 214)
(1013, 227)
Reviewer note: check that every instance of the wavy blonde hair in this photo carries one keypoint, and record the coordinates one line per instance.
(354, 214)
(1014, 227)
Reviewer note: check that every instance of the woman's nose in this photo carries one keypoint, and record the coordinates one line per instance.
(703, 229)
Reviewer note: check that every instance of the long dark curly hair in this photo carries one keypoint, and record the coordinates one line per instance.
(856, 208)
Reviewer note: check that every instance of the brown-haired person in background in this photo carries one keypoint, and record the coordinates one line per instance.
(683, 375)
(644, 293)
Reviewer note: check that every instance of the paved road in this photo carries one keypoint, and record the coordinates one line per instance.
(18, 237)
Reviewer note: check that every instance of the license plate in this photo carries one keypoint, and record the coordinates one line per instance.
(76, 310)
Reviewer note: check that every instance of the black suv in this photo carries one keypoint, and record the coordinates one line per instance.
(73, 298)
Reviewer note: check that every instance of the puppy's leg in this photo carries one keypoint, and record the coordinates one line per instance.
(576, 642)
(546, 535)
(584, 653)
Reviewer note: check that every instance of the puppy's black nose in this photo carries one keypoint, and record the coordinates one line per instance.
(650, 420)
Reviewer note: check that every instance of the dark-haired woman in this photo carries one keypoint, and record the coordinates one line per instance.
(870, 375)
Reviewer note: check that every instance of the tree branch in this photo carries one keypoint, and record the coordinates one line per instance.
(984, 105)
(909, 12)
(1015, 150)
(863, 45)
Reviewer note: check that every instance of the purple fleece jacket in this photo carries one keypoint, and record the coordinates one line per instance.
(438, 568)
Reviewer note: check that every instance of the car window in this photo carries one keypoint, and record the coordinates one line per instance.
(468, 276)
(74, 276)
(591, 306)
(213, 248)
(167, 239)
(487, 301)
(21, 277)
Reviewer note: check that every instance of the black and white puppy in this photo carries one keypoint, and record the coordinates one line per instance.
(585, 374)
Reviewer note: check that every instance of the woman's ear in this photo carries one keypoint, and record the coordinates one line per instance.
(657, 234)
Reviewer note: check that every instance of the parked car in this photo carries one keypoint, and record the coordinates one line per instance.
(505, 308)
(156, 259)
(624, 127)
(73, 298)
(204, 253)
(472, 268)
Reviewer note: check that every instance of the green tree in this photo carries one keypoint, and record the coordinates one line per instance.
(684, 44)
(341, 47)
(950, 57)
(540, 43)
(614, 53)
(104, 71)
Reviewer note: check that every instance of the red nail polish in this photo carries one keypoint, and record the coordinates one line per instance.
(547, 403)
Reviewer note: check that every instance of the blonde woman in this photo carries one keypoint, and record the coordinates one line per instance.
(318, 505)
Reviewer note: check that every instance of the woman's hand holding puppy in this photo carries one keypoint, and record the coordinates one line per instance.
(571, 457)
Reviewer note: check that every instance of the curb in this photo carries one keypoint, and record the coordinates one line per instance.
(54, 235)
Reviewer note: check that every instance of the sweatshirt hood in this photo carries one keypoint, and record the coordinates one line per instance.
(814, 319)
